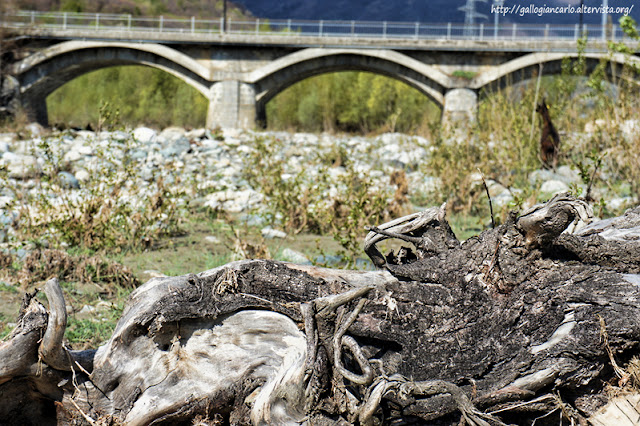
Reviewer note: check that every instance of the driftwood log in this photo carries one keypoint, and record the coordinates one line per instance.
(522, 323)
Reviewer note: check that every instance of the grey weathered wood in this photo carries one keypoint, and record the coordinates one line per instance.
(501, 328)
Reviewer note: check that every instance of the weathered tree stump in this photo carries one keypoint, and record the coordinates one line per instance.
(522, 322)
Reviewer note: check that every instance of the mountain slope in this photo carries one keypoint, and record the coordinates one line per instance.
(425, 11)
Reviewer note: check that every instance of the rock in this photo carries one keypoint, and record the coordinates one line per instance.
(594, 126)
(172, 134)
(619, 203)
(563, 173)
(21, 166)
(196, 134)
(570, 175)
(144, 135)
(4, 202)
(212, 239)
(630, 128)
(82, 175)
(176, 147)
(502, 199)
(289, 255)
(271, 233)
(68, 181)
(151, 273)
(554, 187)
(233, 201)
(35, 129)
(86, 311)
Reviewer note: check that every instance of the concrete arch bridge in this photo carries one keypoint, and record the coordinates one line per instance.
(239, 71)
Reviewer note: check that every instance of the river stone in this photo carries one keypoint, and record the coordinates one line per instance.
(290, 255)
(35, 129)
(82, 175)
(554, 187)
(21, 166)
(67, 180)
(144, 135)
(196, 133)
(619, 203)
(4, 202)
(271, 233)
(630, 128)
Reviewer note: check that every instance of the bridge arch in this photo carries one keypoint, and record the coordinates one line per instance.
(527, 66)
(273, 78)
(42, 73)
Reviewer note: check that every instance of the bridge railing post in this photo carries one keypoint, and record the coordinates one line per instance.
(481, 31)
(320, 28)
(33, 17)
(448, 30)
(129, 22)
(257, 26)
(384, 29)
(161, 23)
(546, 32)
(353, 28)
(97, 21)
(417, 32)
(513, 32)
(193, 24)
(221, 25)
(64, 21)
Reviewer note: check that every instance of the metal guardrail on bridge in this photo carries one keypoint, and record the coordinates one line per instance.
(102, 22)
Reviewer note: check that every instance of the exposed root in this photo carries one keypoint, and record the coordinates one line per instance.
(340, 340)
(436, 387)
(51, 349)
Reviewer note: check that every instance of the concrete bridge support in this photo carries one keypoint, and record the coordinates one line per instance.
(460, 108)
(232, 104)
(36, 110)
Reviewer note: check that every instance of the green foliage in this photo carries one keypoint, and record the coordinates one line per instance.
(340, 206)
(139, 94)
(103, 214)
(351, 102)
(467, 75)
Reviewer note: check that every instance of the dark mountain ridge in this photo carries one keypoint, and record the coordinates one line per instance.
(437, 11)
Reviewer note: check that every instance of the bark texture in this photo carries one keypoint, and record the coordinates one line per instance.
(523, 322)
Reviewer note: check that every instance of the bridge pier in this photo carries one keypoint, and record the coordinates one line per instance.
(36, 110)
(460, 108)
(232, 104)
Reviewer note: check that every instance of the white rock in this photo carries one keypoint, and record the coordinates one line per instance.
(196, 133)
(154, 274)
(270, 233)
(630, 128)
(502, 199)
(82, 175)
(21, 166)
(86, 309)
(212, 239)
(293, 256)
(593, 126)
(619, 203)
(144, 135)
(35, 129)
(570, 175)
(4, 201)
(554, 187)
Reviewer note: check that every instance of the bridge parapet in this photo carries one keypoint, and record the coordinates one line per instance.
(241, 67)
